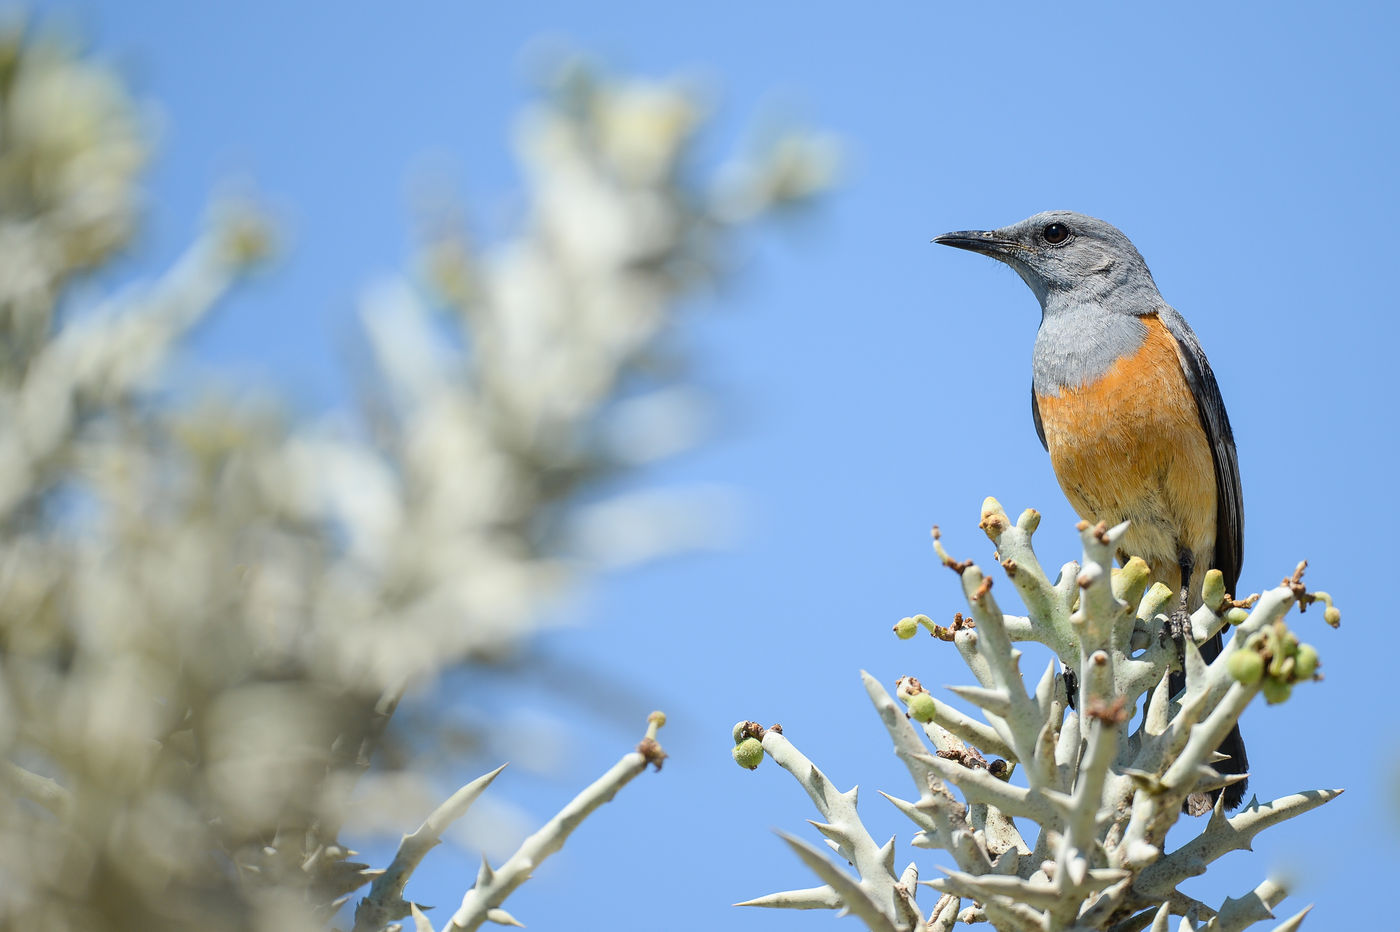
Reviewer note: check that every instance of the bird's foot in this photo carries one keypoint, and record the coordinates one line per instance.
(1178, 624)
(1176, 629)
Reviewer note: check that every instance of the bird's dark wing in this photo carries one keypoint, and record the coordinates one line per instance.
(1229, 502)
(1035, 413)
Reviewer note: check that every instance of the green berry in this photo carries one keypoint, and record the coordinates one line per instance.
(1333, 616)
(1276, 691)
(921, 707)
(906, 628)
(1305, 664)
(1246, 666)
(749, 753)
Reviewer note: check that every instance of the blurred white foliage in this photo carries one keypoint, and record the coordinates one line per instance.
(628, 529)
(655, 426)
(208, 612)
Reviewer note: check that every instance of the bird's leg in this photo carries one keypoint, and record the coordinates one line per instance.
(1179, 622)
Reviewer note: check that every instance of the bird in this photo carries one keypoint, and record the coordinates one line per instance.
(1127, 406)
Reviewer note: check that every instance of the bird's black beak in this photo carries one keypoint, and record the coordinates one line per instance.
(987, 242)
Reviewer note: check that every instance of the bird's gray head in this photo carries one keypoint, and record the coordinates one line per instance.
(1068, 260)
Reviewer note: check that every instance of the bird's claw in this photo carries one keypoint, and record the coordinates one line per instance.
(1175, 629)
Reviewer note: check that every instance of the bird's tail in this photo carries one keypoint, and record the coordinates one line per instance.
(1233, 746)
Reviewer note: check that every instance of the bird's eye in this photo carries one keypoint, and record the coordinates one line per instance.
(1055, 233)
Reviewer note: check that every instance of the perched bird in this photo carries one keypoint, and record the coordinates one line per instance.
(1128, 408)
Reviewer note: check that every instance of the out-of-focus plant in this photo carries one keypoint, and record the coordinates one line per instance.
(208, 612)
(1062, 759)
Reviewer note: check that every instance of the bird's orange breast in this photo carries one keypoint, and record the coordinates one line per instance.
(1131, 446)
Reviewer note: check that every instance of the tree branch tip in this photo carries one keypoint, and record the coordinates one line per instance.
(1247, 602)
(960, 623)
(822, 897)
(1294, 584)
(1101, 533)
(502, 918)
(752, 729)
(994, 520)
(1115, 712)
(1332, 614)
(243, 232)
(651, 752)
(1292, 923)
(957, 566)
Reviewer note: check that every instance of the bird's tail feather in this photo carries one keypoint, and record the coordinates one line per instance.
(1233, 745)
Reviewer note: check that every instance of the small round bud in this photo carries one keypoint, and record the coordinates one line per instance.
(1130, 582)
(994, 520)
(739, 731)
(1156, 601)
(749, 753)
(1305, 663)
(1246, 666)
(1213, 590)
(921, 707)
(1333, 616)
(1237, 616)
(1276, 691)
(906, 628)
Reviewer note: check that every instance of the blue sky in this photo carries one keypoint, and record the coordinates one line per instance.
(869, 384)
